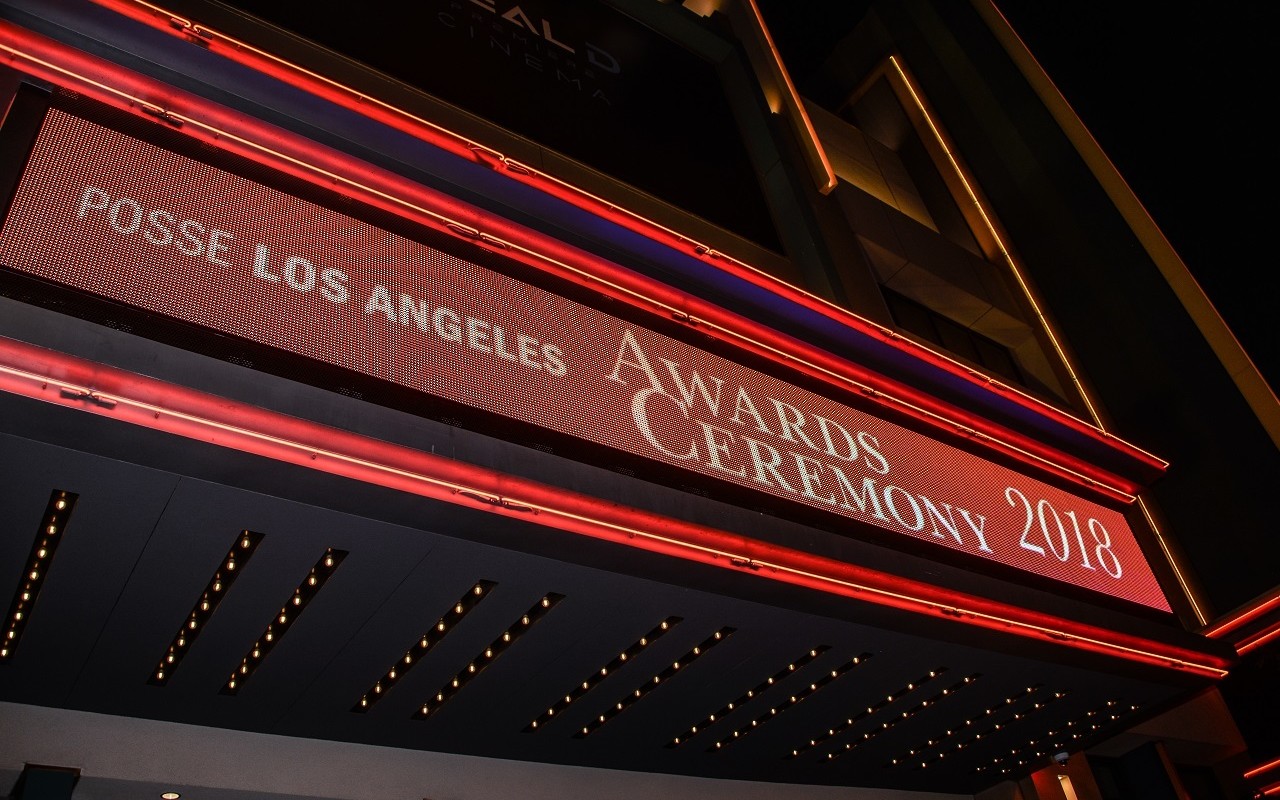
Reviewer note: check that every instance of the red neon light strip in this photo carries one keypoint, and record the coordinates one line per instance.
(1261, 768)
(1249, 644)
(385, 113)
(229, 131)
(70, 382)
(824, 176)
(1270, 790)
(1247, 615)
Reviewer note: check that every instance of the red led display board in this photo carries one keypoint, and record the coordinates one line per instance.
(104, 212)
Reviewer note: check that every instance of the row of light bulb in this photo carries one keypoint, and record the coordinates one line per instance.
(489, 654)
(47, 538)
(751, 694)
(279, 626)
(867, 736)
(597, 677)
(837, 730)
(657, 680)
(228, 569)
(1080, 728)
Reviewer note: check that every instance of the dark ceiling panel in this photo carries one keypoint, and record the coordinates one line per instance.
(112, 521)
(144, 544)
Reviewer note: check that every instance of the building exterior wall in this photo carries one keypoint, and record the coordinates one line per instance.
(964, 253)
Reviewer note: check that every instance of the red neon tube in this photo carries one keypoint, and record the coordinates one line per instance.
(1261, 768)
(1219, 629)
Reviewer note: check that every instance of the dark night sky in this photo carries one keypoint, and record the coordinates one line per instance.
(1177, 94)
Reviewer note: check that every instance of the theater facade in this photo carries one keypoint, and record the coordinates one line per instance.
(498, 399)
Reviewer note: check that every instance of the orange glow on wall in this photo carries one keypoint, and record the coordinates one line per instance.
(793, 108)
(1244, 616)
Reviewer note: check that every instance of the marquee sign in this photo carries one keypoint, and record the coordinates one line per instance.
(104, 212)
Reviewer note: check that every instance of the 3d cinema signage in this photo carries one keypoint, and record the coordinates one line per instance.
(111, 214)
